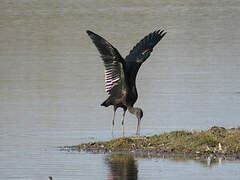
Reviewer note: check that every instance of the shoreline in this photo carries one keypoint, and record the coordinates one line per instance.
(214, 142)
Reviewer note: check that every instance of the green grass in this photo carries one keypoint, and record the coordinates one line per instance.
(215, 140)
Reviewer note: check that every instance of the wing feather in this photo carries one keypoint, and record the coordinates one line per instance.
(142, 51)
(112, 61)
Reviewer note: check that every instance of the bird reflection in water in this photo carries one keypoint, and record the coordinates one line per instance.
(121, 166)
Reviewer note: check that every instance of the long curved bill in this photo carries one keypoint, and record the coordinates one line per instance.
(138, 127)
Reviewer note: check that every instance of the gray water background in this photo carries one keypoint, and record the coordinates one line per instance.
(52, 82)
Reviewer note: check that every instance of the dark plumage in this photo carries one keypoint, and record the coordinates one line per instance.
(120, 74)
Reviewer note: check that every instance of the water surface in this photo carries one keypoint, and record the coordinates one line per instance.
(52, 83)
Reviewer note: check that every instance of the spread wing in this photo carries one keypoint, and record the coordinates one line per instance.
(141, 52)
(113, 62)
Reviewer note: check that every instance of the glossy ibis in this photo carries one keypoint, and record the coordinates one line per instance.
(120, 74)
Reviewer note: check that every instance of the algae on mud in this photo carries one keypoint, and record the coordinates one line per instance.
(216, 141)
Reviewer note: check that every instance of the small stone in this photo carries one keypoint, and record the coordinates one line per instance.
(219, 146)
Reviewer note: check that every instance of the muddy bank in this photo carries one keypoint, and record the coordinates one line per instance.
(215, 142)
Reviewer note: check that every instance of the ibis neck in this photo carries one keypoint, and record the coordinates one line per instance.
(132, 110)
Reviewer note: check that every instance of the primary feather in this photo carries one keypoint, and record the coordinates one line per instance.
(142, 51)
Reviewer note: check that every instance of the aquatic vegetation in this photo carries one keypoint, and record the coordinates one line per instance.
(216, 141)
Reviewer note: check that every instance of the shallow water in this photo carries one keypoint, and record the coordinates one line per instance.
(51, 83)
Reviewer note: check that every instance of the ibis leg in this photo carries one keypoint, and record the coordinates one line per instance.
(124, 112)
(114, 111)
